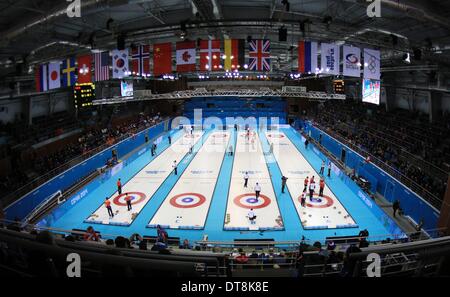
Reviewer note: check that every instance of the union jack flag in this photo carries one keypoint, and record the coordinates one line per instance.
(259, 55)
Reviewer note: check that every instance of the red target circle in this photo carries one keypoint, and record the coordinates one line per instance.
(141, 197)
(237, 201)
(174, 202)
(329, 201)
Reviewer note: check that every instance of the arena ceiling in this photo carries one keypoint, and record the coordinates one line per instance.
(40, 30)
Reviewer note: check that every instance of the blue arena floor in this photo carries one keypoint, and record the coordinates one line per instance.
(364, 217)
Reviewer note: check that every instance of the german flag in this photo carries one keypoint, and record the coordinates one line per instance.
(234, 54)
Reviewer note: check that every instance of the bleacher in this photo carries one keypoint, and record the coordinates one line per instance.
(41, 253)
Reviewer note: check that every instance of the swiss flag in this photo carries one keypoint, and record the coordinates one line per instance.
(162, 58)
(186, 52)
(210, 55)
(84, 69)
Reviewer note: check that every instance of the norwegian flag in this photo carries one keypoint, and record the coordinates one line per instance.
(209, 55)
(140, 60)
(259, 55)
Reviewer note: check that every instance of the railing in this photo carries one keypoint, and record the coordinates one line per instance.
(418, 258)
(24, 252)
(27, 188)
(415, 187)
(224, 92)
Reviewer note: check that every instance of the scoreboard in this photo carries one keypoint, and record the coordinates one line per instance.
(83, 94)
(338, 86)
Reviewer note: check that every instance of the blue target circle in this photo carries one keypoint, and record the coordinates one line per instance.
(251, 200)
(187, 200)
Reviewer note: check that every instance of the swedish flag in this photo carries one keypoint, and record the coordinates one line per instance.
(68, 72)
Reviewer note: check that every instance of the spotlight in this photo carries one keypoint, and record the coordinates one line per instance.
(407, 58)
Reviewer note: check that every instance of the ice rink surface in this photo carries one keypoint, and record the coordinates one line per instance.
(321, 212)
(249, 158)
(144, 184)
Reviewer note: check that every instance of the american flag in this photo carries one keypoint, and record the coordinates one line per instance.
(101, 66)
(259, 55)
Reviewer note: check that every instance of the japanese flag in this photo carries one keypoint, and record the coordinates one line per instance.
(54, 76)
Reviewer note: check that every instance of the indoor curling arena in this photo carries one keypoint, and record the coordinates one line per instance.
(213, 139)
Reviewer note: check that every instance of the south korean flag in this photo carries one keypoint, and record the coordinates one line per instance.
(120, 63)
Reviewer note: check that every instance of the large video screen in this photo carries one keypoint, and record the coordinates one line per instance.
(371, 91)
(126, 88)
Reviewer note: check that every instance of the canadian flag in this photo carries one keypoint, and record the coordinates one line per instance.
(210, 55)
(186, 56)
(54, 76)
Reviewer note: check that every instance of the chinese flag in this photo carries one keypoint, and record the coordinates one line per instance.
(162, 58)
(84, 69)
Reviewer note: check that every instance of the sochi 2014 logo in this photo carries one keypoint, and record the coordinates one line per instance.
(352, 61)
(374, 8)
(74, 9)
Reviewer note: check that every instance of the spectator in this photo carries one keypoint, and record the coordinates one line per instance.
(69, 238)
(143, 245)
(186, 245)
(395, 206)
(120, 242)
(90, 234)
(242, 258)
(135, 239)
(162, 235)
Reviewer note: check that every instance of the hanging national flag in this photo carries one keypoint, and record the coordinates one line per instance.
(54, 76)
(140, 60)
(101, 61)
(351, 61)
(307, 57)
(234, 50)
(120, 63)
(259, 55)
(162, 58)
(186, 52)
(41, 77)
(68, 72)
(84, 69)
(371, 64)
(330, 58)
(210, 55)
